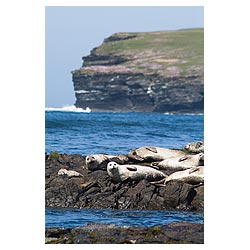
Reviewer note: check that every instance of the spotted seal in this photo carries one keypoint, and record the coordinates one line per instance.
(195, 147)
(68, 173)
(192, 176)
(181, 163)
(119, 173)
(100, 161)
(150, 154)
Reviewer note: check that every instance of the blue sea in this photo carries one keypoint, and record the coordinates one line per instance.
(79, 132)
(68, 218)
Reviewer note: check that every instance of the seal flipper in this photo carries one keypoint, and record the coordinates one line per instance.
(185, 157)
(160, 183)
(152, 149)
(131, 168)
(154, 165)
(194, 169)
(198, 185)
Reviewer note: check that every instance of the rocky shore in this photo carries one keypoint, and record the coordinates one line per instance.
(96, 233)
(96, 189)
(77, 181)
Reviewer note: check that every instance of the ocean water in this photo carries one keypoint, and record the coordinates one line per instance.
(69, 218)
(74, 131)
(117, 133)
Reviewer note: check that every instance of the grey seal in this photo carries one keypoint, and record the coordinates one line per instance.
(181, 163)
(195, 147)
(149, 153)
(68, 173)
(120, 173)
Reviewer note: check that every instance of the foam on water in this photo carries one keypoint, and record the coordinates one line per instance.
(69, 108)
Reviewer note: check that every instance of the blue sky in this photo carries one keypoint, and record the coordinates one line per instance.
(71, 32)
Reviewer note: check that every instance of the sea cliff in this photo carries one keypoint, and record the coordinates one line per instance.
(144, 72)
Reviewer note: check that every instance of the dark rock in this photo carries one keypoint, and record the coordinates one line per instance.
(174, 233)
(198, 199)
(96, 190)
(142, 93)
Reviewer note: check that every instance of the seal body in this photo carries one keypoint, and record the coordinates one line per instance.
(151, 154)
(192, 176)
(68, 173)
(120, 173)
(100, 161)
(181, 163)
(195, 147)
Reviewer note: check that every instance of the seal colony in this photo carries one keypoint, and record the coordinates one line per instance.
(125, 181)
(156, 165)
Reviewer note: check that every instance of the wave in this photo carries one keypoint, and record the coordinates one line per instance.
(69, 108)
(167, 113)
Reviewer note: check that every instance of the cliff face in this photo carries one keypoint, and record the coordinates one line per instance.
(145, 72)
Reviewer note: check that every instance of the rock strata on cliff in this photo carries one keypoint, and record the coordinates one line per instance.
(144, 72)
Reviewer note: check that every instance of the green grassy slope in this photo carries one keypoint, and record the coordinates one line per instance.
(167, 53)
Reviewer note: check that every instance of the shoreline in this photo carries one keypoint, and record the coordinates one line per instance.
(100, 233)
(72, 182)
(96, 189)
(75, 109)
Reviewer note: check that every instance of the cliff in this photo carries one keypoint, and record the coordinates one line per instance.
(144, 72)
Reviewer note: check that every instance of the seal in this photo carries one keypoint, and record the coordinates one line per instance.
(181, 163)
(150, 154)
(192, 176)
(100, 161)
(195, 147)
(96, 162)
(68, 173)
(120, 173)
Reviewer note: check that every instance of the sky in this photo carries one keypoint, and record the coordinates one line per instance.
(72, 32)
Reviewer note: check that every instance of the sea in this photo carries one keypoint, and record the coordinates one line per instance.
(73, 130)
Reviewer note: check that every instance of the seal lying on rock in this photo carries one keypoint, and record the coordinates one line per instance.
(100, 161)
(121, 173)
(181, 163)
(149, 153)
(68, 173)
(192, 176)
(97, 161)
(195, 147)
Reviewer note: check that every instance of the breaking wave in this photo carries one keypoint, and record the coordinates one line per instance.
(69, 108)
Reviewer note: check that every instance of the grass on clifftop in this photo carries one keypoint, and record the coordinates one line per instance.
(168, 53)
